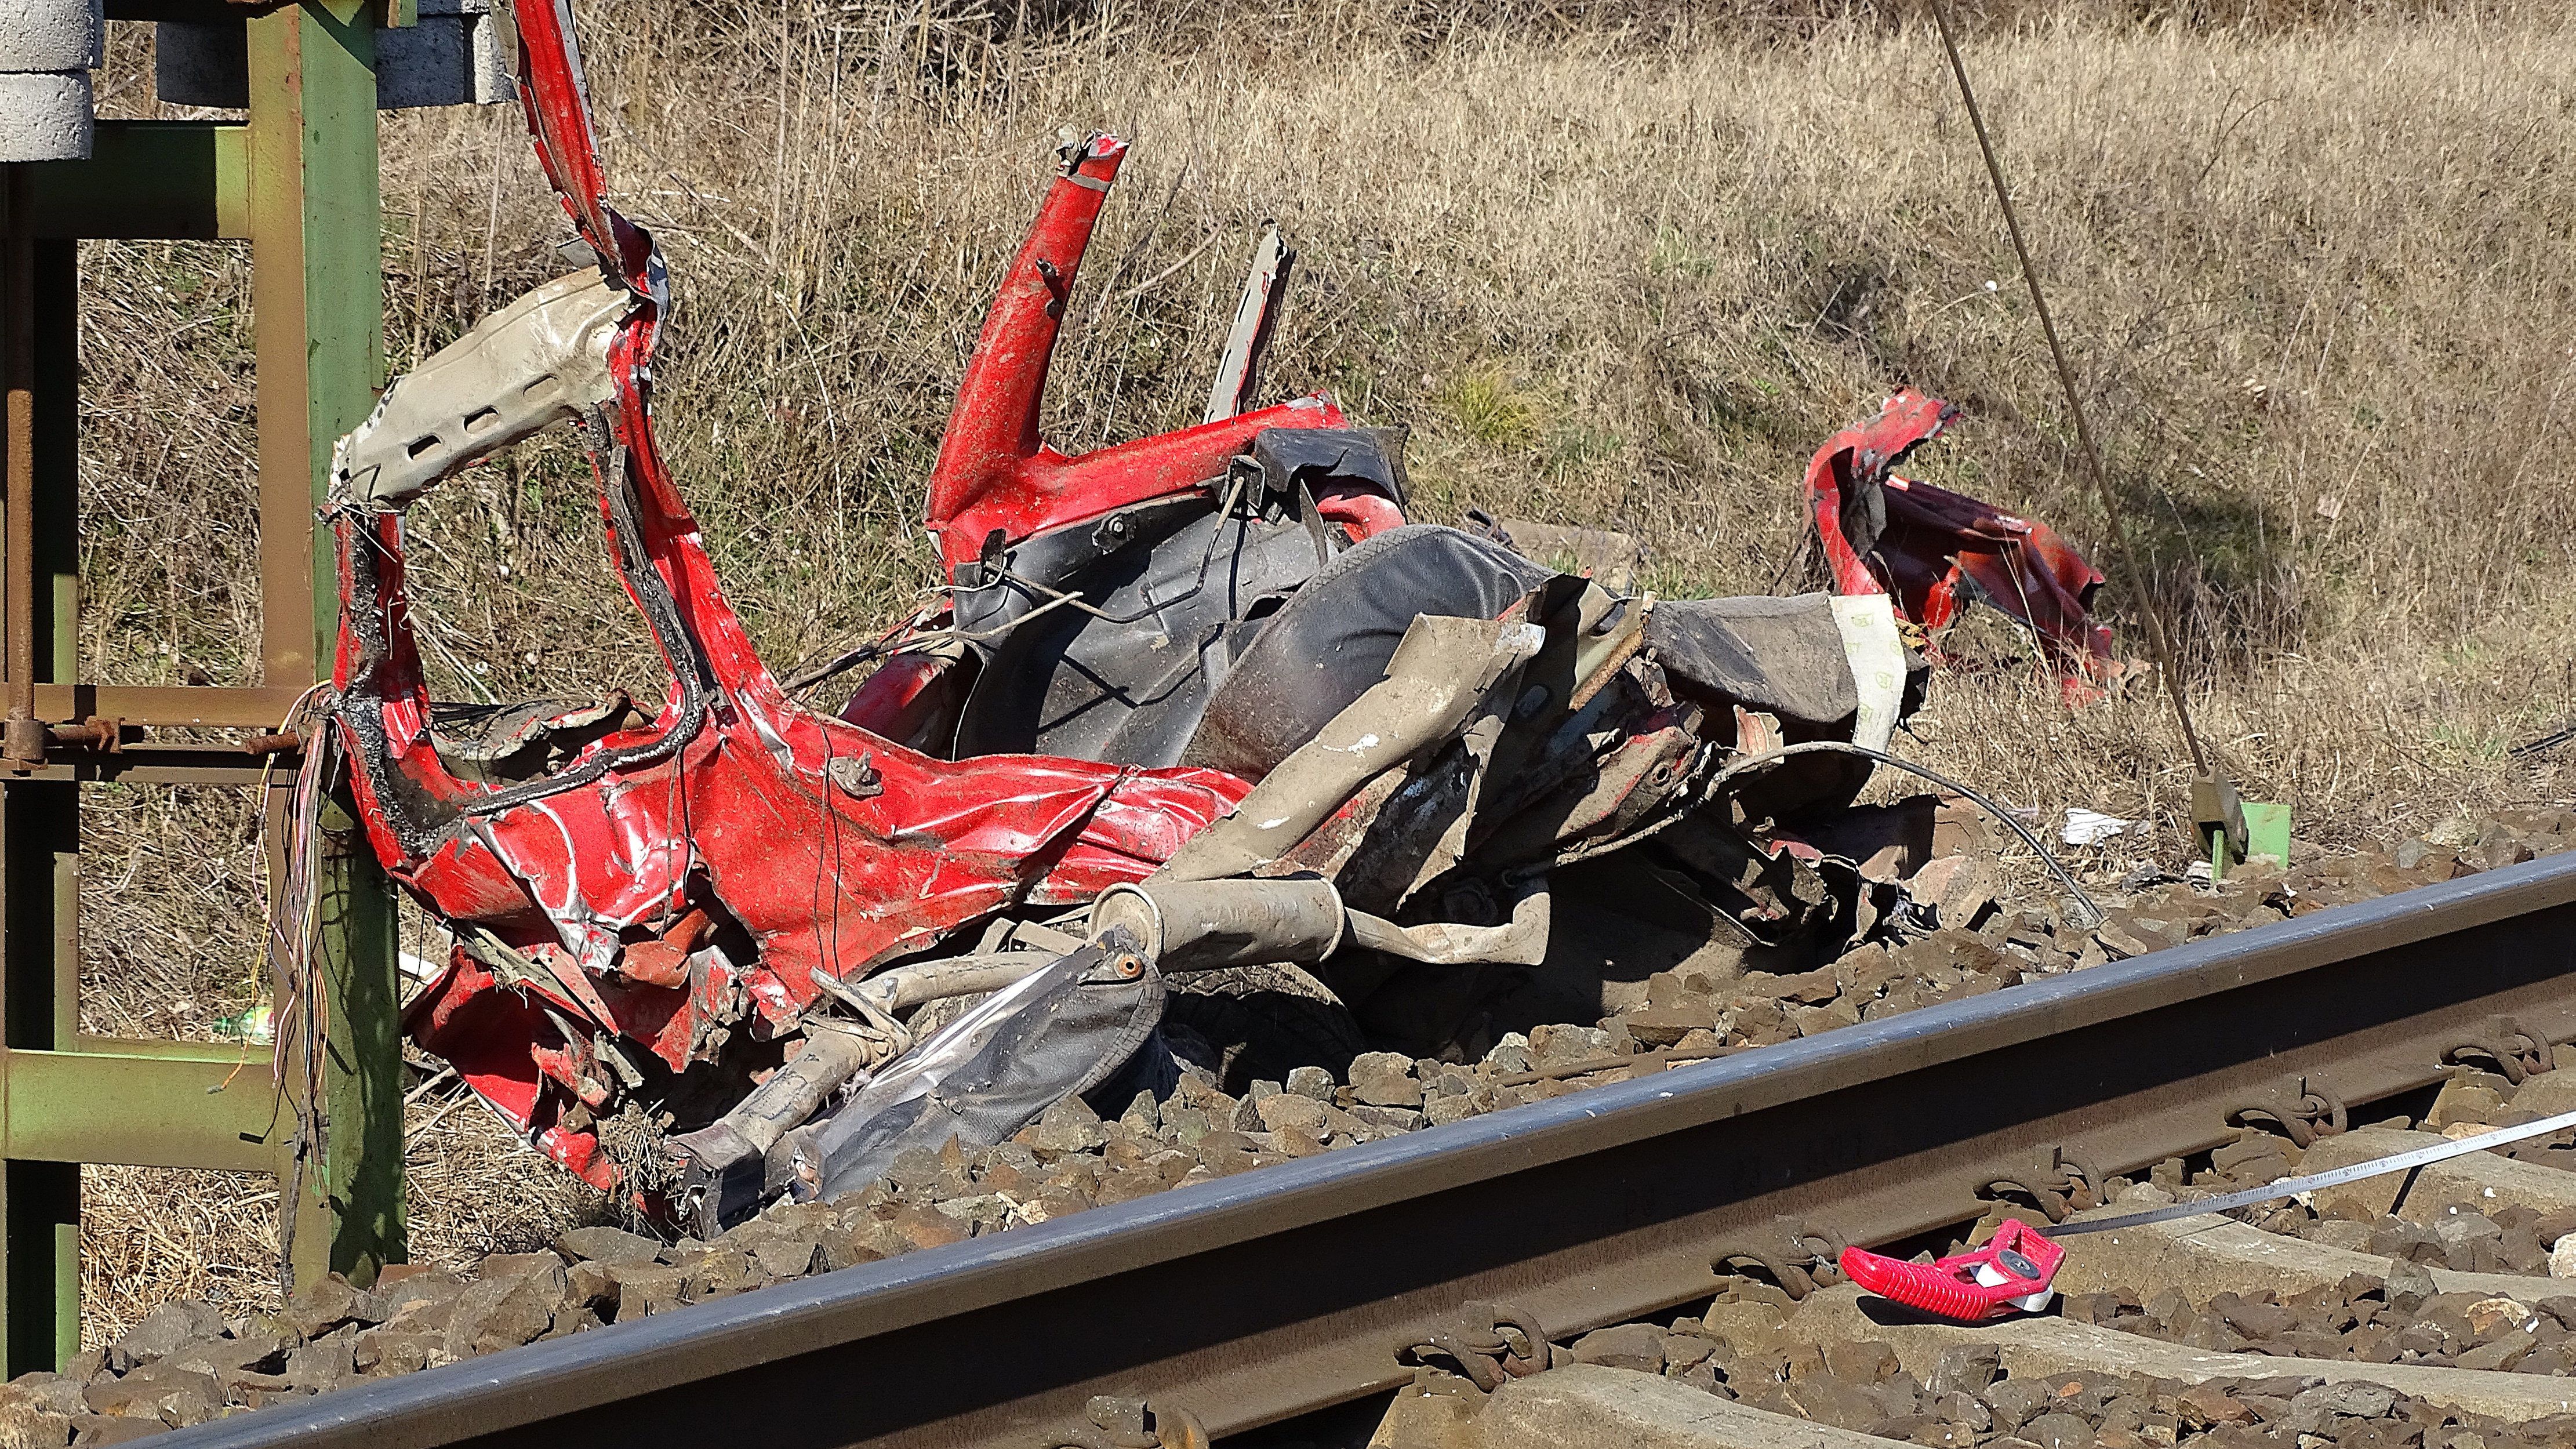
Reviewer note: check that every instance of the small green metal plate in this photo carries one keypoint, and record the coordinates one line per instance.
(2267, 834)
(2267, 831)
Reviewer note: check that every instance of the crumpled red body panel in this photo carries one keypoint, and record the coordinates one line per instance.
(994, 473)
(1883, 534)
(829, 847)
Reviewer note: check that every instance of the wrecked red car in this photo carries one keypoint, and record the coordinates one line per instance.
(1195, 702)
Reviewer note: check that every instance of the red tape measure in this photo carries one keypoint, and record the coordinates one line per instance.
(2010, 1273)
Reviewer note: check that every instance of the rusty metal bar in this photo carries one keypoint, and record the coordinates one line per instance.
(157, 764)
(22, 739)
(175, 706)
(1260, 1296)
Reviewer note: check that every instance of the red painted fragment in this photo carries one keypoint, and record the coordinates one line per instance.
(1883, 534)
(993, 473)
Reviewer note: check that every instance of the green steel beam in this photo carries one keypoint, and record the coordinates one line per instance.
(151, 1104)
(298, 180)
(318, 304)
(156, 180)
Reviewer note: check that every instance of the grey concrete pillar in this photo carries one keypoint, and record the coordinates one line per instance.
(452, 57)
(47, 50)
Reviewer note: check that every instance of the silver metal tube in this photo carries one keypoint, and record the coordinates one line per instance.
(1202, 925)
(828, 1059)
(901, 988)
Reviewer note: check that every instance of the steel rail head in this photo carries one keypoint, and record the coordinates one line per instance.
(1282, 1289)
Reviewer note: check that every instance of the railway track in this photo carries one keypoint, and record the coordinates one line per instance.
(1253, 1299)
(2403, 1310)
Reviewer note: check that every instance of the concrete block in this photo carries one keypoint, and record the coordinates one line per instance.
(1607, 1408)
(2205, 1256)
(45, 116)
(50, 35)
(2479, 1182)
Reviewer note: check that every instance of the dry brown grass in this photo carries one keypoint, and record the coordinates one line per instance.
(1623, 265)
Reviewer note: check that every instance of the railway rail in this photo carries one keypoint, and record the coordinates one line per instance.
(2406, 1308)
(1252, 1299)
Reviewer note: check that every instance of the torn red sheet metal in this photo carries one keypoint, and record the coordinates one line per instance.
(1935, 550)
(994, 473)
(997, 483)
(813, 846)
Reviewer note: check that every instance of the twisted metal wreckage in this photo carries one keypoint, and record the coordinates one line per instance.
(1191, 702)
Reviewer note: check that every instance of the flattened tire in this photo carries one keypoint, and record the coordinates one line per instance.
(1259, 1021)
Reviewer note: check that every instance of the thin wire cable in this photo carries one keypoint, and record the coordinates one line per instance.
(2074, 402)
(294, 946)
(1755, 762)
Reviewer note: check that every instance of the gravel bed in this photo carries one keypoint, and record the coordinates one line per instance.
(187, 1362)
(2401, 1319)
(1737, 1352)
(2512, 1238)
(2509, 1239)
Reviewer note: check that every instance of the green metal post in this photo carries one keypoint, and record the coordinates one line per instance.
(299, 181)
(2267, 831)
(317, 264)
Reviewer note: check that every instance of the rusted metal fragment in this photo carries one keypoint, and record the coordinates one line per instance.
(1935, 550)
(1255, 315)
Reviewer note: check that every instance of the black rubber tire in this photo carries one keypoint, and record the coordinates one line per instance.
(1259, 1021)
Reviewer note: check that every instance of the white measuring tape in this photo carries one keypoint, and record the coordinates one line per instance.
(2293, 1186)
